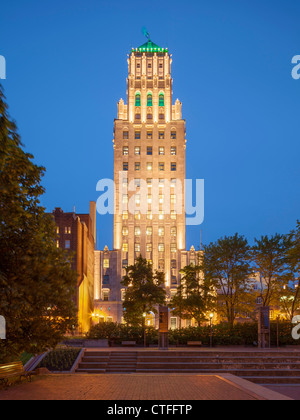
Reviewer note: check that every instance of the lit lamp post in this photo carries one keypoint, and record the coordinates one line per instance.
(211, 315)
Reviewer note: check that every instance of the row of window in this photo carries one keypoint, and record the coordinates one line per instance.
(149, 215)
(149, 230)
(149, 135)
(149, 150)
(161, 99)
(149, 166)
(67, 230)
(137, 199)
(149, 248)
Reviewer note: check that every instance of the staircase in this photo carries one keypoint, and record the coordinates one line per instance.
(261, 367)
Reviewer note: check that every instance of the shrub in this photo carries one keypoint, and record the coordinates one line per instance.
(60, 360)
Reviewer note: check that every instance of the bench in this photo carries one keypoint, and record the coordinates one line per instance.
(128, 343)
(13, 370)
(194, 343)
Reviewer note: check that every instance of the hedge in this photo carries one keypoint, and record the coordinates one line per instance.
(241, 334)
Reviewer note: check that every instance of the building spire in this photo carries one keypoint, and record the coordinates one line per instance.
(146, 33)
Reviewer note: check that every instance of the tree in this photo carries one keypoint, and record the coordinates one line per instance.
(195, 296)
(227, 266)
(290, 292)
(268, 255)
(36, 284)
(145, 291)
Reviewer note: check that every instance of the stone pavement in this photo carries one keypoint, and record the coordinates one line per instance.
(125, 387)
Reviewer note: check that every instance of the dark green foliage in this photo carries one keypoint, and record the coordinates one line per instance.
(60, 360)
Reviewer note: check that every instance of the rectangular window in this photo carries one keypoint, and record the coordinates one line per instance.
(125, 166)
(149, 215)
(173, 135)
(173, 150)
(106, 295)
(173, 198)
(149, 166)
(161, 215)
(149, 198)
(161, 135)
(149, 231)
(149, 247)
(125, 151)
(173, 214)
(173, 248)
(106, 263)
(161, 247)
(173, 323)
(57, 230)
(149, 182)
(173, 166)
(149, 150)
(161, 151)
(137, 199)
(137, 247)
(125, 215)
(125, 135)
(105, 280)
(67, 230)
(124, 263)
(137, 166)
(137, 215)
(125, 198)
(149, 133)
(173, 231)
(137, 231)
(137, 150)
(137, 182)
(125, 247)
(125, 231)
(161, 231)
(67, 244)
(161, 166)
(137, 135)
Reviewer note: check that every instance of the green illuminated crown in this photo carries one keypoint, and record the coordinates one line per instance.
(149, 46)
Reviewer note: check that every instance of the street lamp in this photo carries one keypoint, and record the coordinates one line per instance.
(211, 315)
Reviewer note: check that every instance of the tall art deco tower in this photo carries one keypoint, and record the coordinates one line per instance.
(149, 164)
(149, 174)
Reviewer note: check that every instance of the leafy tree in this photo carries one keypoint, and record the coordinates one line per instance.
(227, 265)
(268, 255)
(290, 292)
(145, 291)
(36, 284)
(195, 296)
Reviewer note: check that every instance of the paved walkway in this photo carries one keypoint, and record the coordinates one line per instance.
(125, 387)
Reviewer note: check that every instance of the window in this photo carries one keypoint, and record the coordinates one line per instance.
(137, 116)
(149, 182)
(161, 264)
(125, 135)
(124, 263)
(138, 99)
(161, 151)
(161, 247)
(149, 166)
(149, 215)
(137, 166)
(106, 295)
(173, 280)
(137, 247)
(173, 150)
(106, 263)
(67, 230)
(149, 231)
(137, 199)
(137, 231)
(161, 116)
(125, 166)
(161, 135)
(161, 198)
(137, 182)
(137, 150)
(125, 231)
(105, 280)
(161, 231)
(161, 101)
(57, 230)
(161, 166)
(173, 264)
(173, 166)
(67, 244)
(125, 199)
(149, 99)
(173, 135)
(125, 182)
(173, 248)
(161, 215)
(137, 135)
(149, 247)
(125, 215)
(125, 151)
(173, 198)
(173, 323)
(125, 247)
(173, 214)
(149, 135)
(137, 215)
(173, 231)
(149, 150)
(57, 243)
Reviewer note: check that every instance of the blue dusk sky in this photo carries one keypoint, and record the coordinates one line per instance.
(67, 69)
